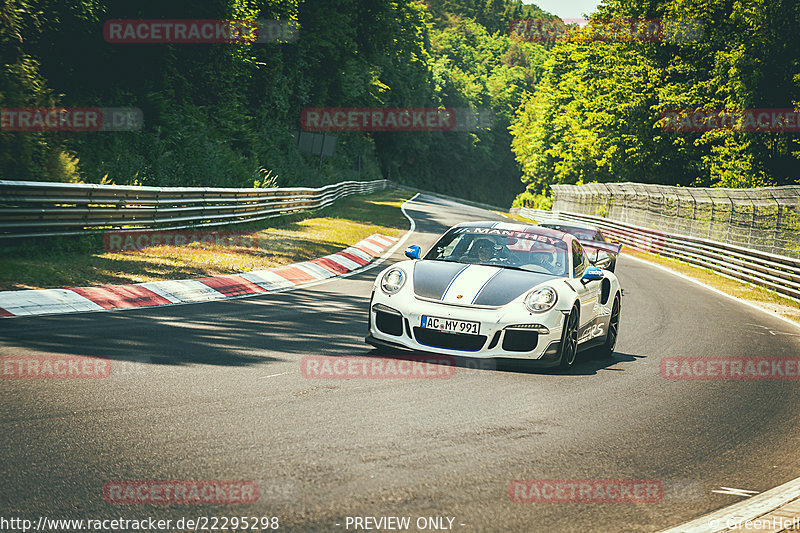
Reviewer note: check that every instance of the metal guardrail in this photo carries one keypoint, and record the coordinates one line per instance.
(43, 209)
(775, 272)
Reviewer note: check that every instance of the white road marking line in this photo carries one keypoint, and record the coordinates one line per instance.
(771, 332)
(735, 492)
(273, 375)
(369, 266)
(734, 515)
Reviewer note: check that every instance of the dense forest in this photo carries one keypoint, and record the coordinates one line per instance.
(596, 114)
(228, 114)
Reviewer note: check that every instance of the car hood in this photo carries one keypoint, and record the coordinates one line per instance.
(481, 285)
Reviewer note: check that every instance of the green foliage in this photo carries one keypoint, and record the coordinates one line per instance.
(494, 15)
(228, 114)
(595, 114)
(530, 198)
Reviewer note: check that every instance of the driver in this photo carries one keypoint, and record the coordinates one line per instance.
(483, 249)
(545, 257)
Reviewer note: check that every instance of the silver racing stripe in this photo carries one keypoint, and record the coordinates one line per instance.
(431, 278)
(484, 286)
(476, 284)
(468, 283)
(508, 285)
(452, 282)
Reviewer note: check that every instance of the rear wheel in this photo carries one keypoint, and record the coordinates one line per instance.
(569, 341)
(607, 349)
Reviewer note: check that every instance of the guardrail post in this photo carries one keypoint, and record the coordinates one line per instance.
(711, 221)
(730, 218)
(777, 226)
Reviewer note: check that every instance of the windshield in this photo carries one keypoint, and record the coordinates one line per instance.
(583, 234)
(503, 248)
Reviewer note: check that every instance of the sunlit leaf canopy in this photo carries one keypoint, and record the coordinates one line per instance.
(570, 111)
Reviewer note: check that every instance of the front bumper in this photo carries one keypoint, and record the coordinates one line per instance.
(508, 332)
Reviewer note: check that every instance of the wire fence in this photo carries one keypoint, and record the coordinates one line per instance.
(775, 272)
(765, 219)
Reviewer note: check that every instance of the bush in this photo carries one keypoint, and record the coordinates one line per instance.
(535, 200)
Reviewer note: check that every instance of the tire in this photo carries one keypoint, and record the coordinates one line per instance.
(612, 265)
(569, 341)
(607, 349)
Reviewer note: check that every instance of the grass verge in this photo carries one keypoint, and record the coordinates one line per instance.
(517, 218)
(742, 291)
(299, 237)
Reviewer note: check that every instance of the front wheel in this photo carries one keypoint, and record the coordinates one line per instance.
(607, 349)
(569, 341)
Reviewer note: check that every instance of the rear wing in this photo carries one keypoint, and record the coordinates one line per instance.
(607, 247)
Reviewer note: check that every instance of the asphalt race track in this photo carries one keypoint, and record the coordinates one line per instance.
(213, 391)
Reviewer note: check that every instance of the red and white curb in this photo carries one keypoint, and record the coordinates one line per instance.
(155, 293)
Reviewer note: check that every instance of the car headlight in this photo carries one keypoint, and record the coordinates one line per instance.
(393, 281)
(541, 300)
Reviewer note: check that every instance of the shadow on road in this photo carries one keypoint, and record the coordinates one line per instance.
(328, 320)
(244, 332)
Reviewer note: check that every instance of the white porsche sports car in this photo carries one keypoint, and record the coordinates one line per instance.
(490, 289)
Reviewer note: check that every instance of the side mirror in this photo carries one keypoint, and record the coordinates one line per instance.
(412, 252)
(592, 274)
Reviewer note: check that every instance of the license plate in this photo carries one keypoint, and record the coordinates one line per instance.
(449, 325)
